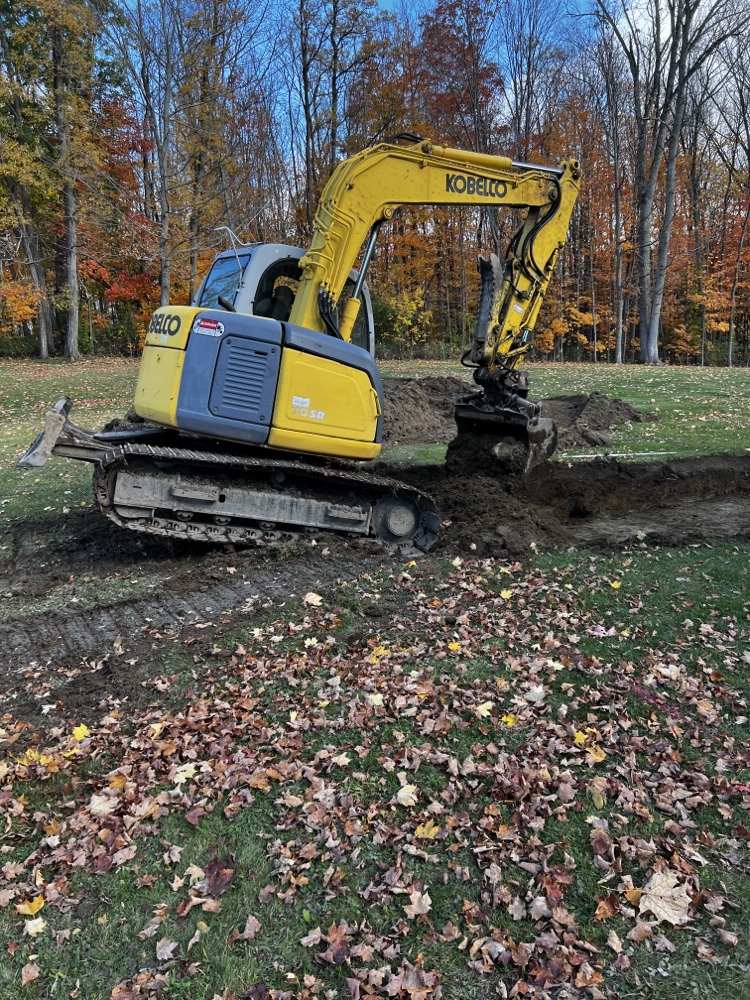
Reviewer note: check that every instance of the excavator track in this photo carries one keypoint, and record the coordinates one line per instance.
(217, 497)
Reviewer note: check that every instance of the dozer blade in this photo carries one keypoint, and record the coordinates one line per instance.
(500, 442)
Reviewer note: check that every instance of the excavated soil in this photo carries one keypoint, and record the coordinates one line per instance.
(421, 411)
(87, 608)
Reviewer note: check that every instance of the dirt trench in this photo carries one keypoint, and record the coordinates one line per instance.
(97, 604)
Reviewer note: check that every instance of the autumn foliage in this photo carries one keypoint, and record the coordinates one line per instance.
(131, 133)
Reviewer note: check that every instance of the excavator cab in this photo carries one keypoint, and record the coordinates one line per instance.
(262, 279)
(234, 368)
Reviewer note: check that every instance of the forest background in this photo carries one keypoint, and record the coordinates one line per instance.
(131, 129)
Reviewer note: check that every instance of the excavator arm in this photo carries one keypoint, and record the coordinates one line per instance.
(366, 189)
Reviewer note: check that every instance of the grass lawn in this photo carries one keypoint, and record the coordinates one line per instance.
(455, 776)
(701, 412)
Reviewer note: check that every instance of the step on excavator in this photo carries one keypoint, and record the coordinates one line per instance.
(258, 404)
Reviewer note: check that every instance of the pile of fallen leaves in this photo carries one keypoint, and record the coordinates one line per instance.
(459, 754)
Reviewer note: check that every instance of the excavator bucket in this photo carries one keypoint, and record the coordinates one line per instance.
(499, 430)
(500, 441)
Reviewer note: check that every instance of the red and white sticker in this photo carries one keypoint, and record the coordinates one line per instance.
(208, 327)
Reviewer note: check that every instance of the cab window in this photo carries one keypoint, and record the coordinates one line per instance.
(277, 289)
(223, 280)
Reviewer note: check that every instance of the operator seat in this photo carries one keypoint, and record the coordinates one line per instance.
(283, 299)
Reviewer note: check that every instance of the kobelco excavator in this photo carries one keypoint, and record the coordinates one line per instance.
(258, 402)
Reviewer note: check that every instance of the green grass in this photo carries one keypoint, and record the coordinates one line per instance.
(656, 665)
(544, 630)
(100, 390)
(701, 411)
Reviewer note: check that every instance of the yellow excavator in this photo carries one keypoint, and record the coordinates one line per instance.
(253, 401)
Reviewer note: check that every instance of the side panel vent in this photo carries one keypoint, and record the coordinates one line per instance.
(244, 382)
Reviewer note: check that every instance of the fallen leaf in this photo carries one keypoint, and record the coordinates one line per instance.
(614, 942)
(29, 973)
(420, 903)
(539, 908)
(428, 830)
(406, 795)
(183, 772)
(164, 949)
(313, 599)
(707, 954)
(34, 927)
(252, 926)
(606, 908)
(102, 805)
(31, 908)
(728, 938)
(666, 898)
(535, 694)
(311, 939)
(640, 932)
(587, 976)
(485, 709)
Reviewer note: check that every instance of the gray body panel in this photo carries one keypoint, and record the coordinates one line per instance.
(229, 378)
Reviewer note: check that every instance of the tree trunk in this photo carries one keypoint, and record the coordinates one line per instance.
(735, 283)
(71, 256)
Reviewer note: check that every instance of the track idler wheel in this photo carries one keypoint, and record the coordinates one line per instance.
(406, 522)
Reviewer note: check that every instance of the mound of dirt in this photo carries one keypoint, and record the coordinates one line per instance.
(421, 411)
(584, 420)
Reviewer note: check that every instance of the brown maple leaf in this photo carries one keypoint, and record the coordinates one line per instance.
(218, 875)
(607, 907)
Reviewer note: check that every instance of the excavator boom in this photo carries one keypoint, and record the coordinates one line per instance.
(365, 191)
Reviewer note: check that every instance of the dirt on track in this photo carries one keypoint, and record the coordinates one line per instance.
(88, 608)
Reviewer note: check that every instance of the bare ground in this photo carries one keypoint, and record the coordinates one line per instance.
(88, 608)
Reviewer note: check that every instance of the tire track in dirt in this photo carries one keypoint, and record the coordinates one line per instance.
(71, 635)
